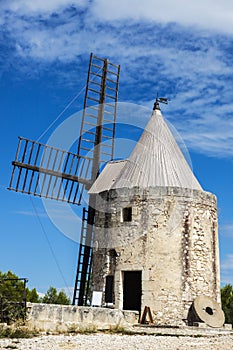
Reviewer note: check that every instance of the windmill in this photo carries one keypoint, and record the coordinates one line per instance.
(49, 172)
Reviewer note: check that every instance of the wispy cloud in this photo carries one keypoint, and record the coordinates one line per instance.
(55, 213)
(64, 29)
(184, 52)
(227, 264)
(205, 14)
(227, 269)
(226, 230)
(36, 7)
(30, 213)
(210, 14)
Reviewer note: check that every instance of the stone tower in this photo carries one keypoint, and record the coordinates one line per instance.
(156, 230)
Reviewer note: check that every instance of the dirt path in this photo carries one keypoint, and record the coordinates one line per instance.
(119, 342)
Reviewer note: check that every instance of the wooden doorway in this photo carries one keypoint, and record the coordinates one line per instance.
(132, 290)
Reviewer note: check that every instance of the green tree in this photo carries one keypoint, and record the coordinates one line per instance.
(12, 297)
(11, 288)
(227, 302)
(33, 296)
(63, 299)
(52, 297)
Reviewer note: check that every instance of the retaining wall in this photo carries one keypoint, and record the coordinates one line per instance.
(62, 318)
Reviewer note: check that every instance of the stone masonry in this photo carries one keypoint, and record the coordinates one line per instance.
(171, 237)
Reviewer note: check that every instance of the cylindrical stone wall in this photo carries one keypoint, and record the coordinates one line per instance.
(170, 235)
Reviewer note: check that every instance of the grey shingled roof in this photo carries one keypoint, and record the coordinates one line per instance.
(155, 161)
(107, 178)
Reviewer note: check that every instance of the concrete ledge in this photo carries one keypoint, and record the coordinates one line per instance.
(48, 317)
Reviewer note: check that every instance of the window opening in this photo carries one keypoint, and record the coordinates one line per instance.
(127, 214)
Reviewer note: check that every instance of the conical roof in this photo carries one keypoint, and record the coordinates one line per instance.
(155, 161)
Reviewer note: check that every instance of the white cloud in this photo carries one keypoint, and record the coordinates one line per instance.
(29, 7)
(208, 14)
(204, 126)
(194, 68)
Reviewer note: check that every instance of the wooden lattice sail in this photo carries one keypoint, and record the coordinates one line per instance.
(46, 171)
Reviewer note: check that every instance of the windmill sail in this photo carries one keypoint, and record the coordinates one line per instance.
(46, 171)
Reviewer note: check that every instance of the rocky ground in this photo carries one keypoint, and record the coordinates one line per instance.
(119, 342)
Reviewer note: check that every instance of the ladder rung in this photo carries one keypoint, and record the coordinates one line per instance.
(93, 99)
(96, 75)
(89, 132)
(110, 88)
(108, 129)
(95, 65)
(108, 154)
(93, 90)
(108, 121)
(105, 145)
(107, 112)
(86, 149)
(112, 81)
(95, 82)
(92, 107)
(91, 141)
(110, 105)
(109, 96)
(91, 115)
(111, 72)
(89, 123)
(107, 137)
(98, 58)
(114, 65)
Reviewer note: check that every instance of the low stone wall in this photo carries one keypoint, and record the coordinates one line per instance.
(62, 318)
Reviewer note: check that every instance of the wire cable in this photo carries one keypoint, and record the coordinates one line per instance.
(50, 246)
(65, 109)
(62, 112)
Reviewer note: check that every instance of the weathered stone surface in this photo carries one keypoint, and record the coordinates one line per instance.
(172, 239)
(207, 310)
(48, 317)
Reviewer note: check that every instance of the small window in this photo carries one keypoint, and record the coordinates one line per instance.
(127, 214)
(109, 289)
(108, 217)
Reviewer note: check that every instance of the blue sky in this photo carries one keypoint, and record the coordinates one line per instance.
(183, 50)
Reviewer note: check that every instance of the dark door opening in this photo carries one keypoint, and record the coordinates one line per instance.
(109, 289)
(132, 290)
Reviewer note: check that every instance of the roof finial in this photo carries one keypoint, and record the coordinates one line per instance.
(156, 105)
(160, 100)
